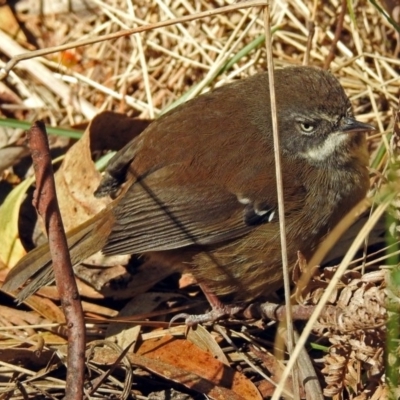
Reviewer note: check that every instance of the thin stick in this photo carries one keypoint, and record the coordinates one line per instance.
(311, 32)
(338, 32)
(45, 201)
(279, 188)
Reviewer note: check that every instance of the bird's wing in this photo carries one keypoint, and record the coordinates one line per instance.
(155, 216)
(160, 213)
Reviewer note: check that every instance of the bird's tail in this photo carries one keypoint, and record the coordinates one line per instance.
(83, 241)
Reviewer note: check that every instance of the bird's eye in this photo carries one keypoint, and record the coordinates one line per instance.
(306, 127)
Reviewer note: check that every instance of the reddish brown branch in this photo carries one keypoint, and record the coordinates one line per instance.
(277, 312)
(45, 201)
(338, 32)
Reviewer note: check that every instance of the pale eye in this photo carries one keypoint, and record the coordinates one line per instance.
(306, 127)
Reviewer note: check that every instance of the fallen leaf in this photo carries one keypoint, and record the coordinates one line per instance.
(11, 249)
(183, 376)
(195, 366)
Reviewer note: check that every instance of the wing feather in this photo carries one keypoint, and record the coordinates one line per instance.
(171, 217)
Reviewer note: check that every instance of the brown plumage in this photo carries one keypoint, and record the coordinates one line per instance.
(199, 183)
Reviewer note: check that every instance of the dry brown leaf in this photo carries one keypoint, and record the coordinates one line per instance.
(180, 375)
(77, 179)
(46, 308)
(206, 342)
(185, 356)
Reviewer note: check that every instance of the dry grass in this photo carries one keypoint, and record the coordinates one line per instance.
(144, 74)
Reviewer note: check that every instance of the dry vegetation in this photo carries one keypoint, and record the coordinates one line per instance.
(140, 76)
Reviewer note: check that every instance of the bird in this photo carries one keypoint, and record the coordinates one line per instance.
(198, 185)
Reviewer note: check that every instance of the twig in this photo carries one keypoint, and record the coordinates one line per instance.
(277, 312)
(311, 32)
(338, 32)
(45, 201)
(280, 194)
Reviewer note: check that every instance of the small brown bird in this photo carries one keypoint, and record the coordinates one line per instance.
(198, 185)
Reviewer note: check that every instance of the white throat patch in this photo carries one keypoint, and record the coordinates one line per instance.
(327, 148)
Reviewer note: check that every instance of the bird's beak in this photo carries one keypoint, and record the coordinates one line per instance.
(352, 125)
